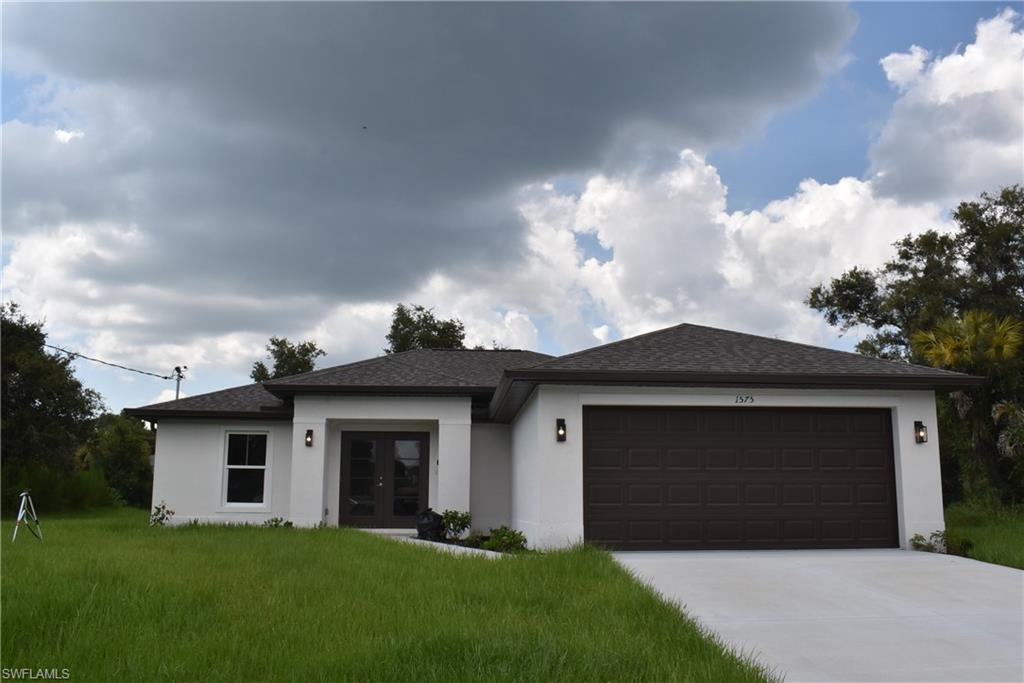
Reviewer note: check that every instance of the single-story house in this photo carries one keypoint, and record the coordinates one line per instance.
(687, 437)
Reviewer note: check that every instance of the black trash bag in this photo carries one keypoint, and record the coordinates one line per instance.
(429, 526)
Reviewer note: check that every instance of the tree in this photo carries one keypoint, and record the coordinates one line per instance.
(120, 448)
(288, 359)
(1011, 439)
(416, 327)
(980, 343)
(46, 412)
(936, 277)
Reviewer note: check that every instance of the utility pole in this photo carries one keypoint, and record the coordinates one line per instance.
(178, 375)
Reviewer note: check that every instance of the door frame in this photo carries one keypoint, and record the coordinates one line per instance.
(384, 500)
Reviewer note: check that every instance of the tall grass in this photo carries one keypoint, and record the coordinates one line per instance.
(112, 599)
(996, 533)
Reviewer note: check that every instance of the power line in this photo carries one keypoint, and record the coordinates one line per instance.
(75, 354)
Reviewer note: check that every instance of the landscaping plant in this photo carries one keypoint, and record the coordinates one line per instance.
(455, 524)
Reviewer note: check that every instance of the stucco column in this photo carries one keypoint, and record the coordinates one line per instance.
(918, 476)
(453, 462)
(308, 474)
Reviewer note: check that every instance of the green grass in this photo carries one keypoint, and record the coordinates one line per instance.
(997, 534)
(111, 599)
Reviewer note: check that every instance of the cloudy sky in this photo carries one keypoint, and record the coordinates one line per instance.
(182, 181)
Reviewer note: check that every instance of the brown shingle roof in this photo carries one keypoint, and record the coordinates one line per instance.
(684, 355)
(694, 355)
(250, 400)
(449, 369)
(695, 348)
(423, 371)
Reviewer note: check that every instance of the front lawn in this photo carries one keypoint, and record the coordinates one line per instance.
(996, 534)
(112, 599)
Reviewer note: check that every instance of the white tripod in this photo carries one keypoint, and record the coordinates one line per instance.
(27, 514)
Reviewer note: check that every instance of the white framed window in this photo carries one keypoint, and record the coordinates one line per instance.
(246, 464)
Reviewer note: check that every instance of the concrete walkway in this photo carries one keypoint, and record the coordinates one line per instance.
(852, 615)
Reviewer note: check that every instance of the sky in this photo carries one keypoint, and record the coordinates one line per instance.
(182, 181)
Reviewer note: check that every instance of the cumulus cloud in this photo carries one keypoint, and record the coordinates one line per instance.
(66, 136)
(957, 129)
(282, 166)
(297, 169)
(903, 68)
(678, 254)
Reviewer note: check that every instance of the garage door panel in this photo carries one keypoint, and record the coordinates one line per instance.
(682, 459)
(873, 459)
(835, 459)
(787, 478)
(607, 458)
(644, 494)
(723, 494)
(758, 459)
(759, 495)
(644, 459)
(605, 494)
(683, 494)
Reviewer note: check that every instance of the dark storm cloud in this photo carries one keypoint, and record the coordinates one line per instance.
(344, 151)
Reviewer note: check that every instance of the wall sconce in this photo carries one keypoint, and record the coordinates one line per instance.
(560, 429)
(920, 432)
(309, 438)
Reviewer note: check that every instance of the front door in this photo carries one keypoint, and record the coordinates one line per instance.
(383, 478)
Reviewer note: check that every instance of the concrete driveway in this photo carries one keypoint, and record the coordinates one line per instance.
(852, 615)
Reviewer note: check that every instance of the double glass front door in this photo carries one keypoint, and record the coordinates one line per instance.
(383, 478)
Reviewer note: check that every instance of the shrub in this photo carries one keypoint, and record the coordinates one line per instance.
(278, 523)
(505, 540)
(55, 490)
(958, 545)
(942, 542)
(455, 523)
(474, 540)
(121, 448)
(935, 543)
(161, 515)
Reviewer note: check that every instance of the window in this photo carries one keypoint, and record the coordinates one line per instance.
(247, 468)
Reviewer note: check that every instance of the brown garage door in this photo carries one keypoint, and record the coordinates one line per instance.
(706, 478)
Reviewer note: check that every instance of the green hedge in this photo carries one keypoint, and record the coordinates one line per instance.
(54, 491)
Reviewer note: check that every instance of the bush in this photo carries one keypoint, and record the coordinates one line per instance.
(161, 515)
(277, 523)
(958, 545)
(455, 523)
(505, 540)
(942, 542)
(936, 543)
(121, 448)
(56, 491)
(474, 540)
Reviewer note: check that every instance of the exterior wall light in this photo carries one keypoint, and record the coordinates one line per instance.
(920, 432)
(560, 429)
(309, 438)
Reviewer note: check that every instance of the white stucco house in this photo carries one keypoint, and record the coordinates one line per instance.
(685, 438)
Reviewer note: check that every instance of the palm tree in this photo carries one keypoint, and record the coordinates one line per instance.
(981, 343)
(977, 339)
(1011, 439)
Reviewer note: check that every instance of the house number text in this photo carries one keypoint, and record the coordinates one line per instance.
(744, 398)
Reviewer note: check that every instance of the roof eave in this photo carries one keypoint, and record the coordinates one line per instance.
(503, 409)
(288, 390)
(156, 414)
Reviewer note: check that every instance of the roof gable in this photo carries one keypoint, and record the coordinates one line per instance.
(464, 372)
(684, 355)
(472, 370)
(695, 348)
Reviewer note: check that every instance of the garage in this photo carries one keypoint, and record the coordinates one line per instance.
(676, 478)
